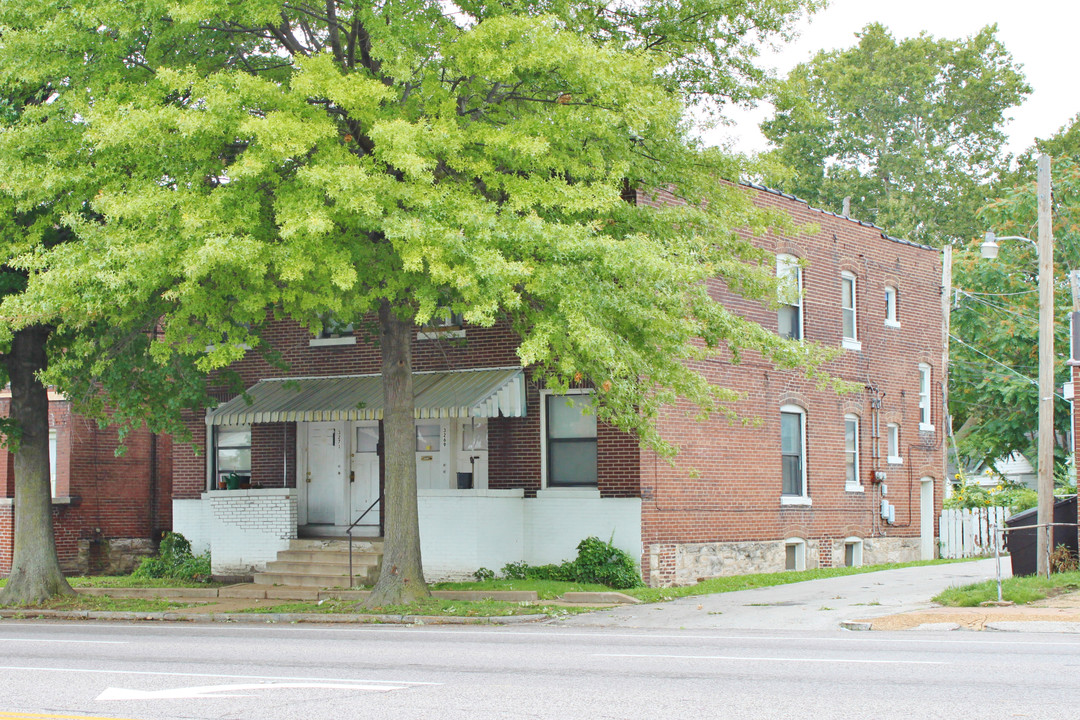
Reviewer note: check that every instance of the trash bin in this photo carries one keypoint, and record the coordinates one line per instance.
(1021, 543)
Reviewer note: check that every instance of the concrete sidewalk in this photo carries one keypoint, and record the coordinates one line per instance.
(861, 602)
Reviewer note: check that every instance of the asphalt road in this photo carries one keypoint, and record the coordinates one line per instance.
(267, 672)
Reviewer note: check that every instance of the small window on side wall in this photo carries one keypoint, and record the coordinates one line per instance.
(789, 315)
(925, 419)
(891, 319)
(892, 433)
(851, 452)
(795, 554)
(793, 455)
(848, 312)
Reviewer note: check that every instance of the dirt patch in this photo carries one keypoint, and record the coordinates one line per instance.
(1061, 608)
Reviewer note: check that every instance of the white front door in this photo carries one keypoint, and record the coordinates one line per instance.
(325, 478)
(364, 481)
(472, 454)
(432, 455)
(926, 518)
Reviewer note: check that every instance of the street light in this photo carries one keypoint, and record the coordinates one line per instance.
(1045, 250)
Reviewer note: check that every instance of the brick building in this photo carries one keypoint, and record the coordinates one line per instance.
(108, 510)
(508, 471)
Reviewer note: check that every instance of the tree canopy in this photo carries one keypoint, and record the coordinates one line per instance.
(994, 353)
(399, 160)
(911, 130)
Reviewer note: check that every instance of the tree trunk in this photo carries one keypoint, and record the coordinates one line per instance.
(35, 569)
(402, 577)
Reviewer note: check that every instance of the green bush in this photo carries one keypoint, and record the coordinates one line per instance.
(175, 560)
(597, 562)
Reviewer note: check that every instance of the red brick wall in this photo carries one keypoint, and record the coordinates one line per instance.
(726, 482)
(108, 496)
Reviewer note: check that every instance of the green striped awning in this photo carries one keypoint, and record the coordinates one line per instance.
(465, 393)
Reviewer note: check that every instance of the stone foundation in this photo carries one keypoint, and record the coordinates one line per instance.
(115, 556)
(688, 563)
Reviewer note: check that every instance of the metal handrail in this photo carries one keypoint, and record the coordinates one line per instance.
(348, 532)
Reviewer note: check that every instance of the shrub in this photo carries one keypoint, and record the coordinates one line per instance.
(175, 560)
(483, 574)
(597, 562)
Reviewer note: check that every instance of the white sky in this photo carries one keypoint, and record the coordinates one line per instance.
(1040, 34)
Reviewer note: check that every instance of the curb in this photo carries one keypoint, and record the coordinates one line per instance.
(856, 625)
(267, 618)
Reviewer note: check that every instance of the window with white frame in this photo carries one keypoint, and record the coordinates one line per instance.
(569, 440)
(853, 550)
(851, 452)
(232, 454)
(848, 317)
(925, 420)
(445, 324)
(795, 554)
(892, 438)
(793, 452)
(335, 331)
(789, 316)
(52, 461)
(891, 319)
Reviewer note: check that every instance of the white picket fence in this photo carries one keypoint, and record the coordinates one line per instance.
(968, 533)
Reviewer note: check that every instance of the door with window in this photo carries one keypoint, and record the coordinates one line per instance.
(472, 454)
(325, 477)
(432, 456)
(364, 475)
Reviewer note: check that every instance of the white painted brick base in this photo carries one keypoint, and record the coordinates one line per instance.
(244, 529)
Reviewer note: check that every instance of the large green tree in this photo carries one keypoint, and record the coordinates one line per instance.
(48, 180)
(994, 353)
(910, 130)
(397, 160)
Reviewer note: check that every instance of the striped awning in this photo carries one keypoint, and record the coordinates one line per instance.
(460, 394)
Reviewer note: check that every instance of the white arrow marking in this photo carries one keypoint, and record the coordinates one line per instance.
(223, 691)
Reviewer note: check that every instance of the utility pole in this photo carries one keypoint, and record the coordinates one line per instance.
(1046, 369)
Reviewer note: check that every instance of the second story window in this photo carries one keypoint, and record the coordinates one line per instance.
(789, 316)
(925, 420)
(848, 326)
(335, 331)
(890, 307)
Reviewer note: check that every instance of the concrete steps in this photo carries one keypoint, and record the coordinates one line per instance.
(324, 563)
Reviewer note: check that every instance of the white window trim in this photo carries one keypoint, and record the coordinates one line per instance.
(785, 264)
(925, 400)
(856, 486)
(890, 307)
(856, 553)
(591, 490)
(896, 459)
(324, 342)
(800, 553)
(804, 498)
(850, 342)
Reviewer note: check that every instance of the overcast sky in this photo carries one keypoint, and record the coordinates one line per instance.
(1040, 34)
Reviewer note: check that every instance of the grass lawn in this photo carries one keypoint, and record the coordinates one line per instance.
(103, 603)
(1019, 590)
(549, 589)
(431, 606)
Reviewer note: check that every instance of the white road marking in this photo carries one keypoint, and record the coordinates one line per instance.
(85, 642)
(768, 659)
(218, 676)
(225, 691)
